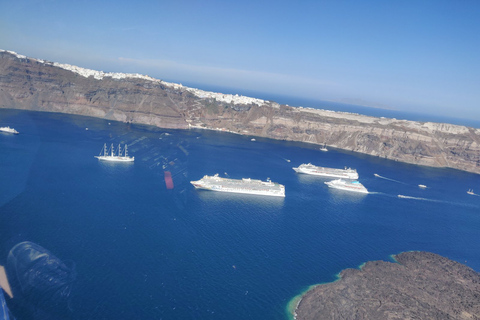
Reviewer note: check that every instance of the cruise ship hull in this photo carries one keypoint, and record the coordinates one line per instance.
(244, 186)
(115, 158)
(327, 172)
(347, 186)
(8, 130)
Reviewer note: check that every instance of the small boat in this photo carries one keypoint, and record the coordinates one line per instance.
(253, 139)
(8, 130)
(109, 154)
(324, 148)
(422, 186)
(376, 175)
(470, 191)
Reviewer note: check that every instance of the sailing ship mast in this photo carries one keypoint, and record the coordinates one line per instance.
(105, 152)
(109, 154)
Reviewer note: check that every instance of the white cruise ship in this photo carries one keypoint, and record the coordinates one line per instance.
(347, 185)
(245, 185)
(8, 130)
(327, 172)
(110, 155)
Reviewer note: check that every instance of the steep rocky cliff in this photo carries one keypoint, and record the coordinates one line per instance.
(33, 84)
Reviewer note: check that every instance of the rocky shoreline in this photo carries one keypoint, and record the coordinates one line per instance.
(421, 285)
(33, 84)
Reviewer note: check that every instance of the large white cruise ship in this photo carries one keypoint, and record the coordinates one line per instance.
(8, 130)
(245, 185)
(347, 185)
(327, 172)
(109, 155)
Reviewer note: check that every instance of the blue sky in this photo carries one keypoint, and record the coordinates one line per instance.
(405, 55)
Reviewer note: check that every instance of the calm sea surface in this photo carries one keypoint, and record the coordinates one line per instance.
(143, 251)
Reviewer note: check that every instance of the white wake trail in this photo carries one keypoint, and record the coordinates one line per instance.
(382, 177)
(462, 204)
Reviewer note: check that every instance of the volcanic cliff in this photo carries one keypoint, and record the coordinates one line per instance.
(33, 84)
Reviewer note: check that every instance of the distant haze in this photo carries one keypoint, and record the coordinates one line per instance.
(404, 56)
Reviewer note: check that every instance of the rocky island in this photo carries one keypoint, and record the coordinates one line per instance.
(421, 285)
(34, 84)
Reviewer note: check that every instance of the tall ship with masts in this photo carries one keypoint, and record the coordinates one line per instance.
(309, 168)
(245, 185)
(109, 154)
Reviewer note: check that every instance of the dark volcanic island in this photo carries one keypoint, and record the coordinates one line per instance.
(421, 285)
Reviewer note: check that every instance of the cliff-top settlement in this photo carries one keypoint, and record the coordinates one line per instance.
(34, 84)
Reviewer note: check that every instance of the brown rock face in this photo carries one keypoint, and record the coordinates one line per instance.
(33, 85)
(44, 86)
(421, 286)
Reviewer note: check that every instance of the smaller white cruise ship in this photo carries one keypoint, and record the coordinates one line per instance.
(347, 185)
(8, 130)
(245, 185)
(110, 154)
(309, 168)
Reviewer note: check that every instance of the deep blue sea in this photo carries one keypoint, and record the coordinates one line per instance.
(143, 251)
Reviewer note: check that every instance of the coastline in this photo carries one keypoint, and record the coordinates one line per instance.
(295, 302)
(416, 284)
(138, 99)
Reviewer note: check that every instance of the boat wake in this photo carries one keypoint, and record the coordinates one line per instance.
(438, 201)
(417, 198)
(283, 158)
(381, 177)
